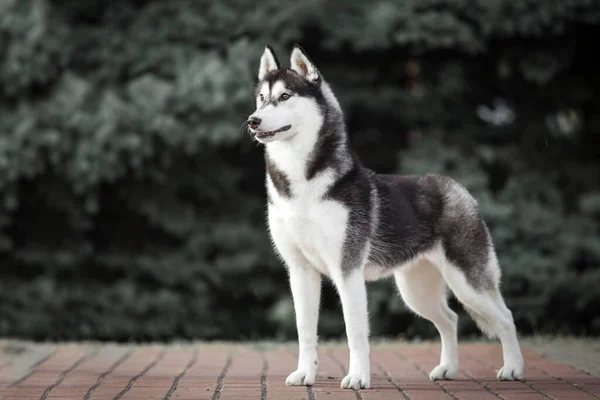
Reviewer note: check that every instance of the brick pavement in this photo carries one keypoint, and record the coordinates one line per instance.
(235, 371)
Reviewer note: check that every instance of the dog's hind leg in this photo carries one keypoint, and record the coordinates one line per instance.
(423, 290)
(483, 301)
(469, 265)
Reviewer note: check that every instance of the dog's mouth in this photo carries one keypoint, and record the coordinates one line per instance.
(266, 134)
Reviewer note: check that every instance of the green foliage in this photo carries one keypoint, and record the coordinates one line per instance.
(132, 207)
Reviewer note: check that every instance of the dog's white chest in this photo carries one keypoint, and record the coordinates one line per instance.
(316, 228)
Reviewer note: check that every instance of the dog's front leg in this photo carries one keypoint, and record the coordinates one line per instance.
(305, 282)
(353, 294)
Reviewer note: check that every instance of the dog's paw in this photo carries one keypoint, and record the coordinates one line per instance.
(511, 372)
(356, 381)
(301, 378)
(443, 372)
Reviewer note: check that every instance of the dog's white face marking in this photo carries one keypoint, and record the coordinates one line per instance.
(283, 113)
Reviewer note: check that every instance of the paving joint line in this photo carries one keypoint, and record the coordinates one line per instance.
(33, 367)
(221, 378)
(132, 381)
(263, 378)
(536, 389)
(64, 374)
(391, 381)
(483, 385)
(103, 375)
(178, 378)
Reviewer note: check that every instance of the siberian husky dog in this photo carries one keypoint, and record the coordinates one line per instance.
(330, 216)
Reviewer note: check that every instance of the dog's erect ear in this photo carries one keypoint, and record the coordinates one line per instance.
(268, 63)
(302, 64)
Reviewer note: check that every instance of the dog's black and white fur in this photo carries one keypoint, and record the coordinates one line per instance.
(330, 216)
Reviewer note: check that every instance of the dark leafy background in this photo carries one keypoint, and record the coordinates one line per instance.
(132, 207)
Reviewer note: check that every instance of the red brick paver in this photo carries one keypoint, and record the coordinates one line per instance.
(47, 375)
(121, 379)
(89, 374)
(222, 372)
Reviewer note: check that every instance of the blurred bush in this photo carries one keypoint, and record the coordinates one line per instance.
(132, 207)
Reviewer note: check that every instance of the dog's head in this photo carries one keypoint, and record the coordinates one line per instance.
(287, 99)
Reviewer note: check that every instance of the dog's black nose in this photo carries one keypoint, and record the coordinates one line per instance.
(253, 122)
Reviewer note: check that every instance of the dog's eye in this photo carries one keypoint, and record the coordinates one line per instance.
(262, 98)
(284, 97)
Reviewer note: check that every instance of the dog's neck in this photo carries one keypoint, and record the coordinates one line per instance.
(320, 145)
